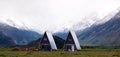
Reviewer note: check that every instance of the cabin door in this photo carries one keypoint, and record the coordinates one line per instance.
(45, 47)
(72, 48)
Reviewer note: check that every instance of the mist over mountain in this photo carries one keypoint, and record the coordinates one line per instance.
(93, 31)
(87, 22)
(104, 34)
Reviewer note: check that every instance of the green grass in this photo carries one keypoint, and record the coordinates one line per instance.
(60, 53)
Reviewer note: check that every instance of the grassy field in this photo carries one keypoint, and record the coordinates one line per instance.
(4, 52)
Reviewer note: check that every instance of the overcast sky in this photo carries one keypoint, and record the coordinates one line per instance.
(52, 14)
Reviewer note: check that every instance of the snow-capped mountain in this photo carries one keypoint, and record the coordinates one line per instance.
(108, 17)
(93, 19)
(95, 31)
(105, 34)
(14, 23)
(78, 26)
(85, 23)
(20, 33)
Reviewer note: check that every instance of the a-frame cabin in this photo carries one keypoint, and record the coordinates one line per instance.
(72, 43)
(47, 42)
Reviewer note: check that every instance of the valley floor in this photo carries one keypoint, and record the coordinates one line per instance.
(60, 53)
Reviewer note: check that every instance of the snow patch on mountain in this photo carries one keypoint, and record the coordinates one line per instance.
(86, 22)
(17, 23)
(14, 23)
(108, 17)
(93, 19)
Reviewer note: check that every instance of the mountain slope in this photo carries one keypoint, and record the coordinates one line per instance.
(106, 34)
(6, 41)
(20, 36)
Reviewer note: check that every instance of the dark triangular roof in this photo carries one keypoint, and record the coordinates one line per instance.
(50, 40)
(72, 35)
